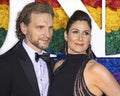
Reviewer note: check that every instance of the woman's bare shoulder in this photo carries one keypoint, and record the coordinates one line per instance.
(99, 72)
(95, 66)
(102, 78)
(96, 70)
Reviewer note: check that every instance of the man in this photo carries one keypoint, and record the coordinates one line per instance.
(21, 73)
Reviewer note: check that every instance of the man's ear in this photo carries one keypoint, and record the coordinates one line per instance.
(23, 28)
(65, 36)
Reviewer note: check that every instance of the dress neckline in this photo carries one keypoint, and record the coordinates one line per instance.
(77, 57)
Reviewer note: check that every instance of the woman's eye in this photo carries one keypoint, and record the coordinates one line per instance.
(75, 31)
(86, 33)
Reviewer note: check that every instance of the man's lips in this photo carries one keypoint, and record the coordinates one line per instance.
(46, 40)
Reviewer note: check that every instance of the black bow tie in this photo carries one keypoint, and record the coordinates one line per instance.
(44, 56)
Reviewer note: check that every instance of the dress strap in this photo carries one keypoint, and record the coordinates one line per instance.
(59, 68)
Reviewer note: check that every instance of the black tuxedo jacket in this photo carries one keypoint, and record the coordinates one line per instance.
(17, 75)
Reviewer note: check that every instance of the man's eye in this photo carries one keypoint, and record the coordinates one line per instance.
(41, 27)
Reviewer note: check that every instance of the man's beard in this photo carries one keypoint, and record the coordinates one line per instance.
(38, 45)
(36, 42)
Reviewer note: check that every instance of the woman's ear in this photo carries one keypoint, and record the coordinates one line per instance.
(23, 28)
(65, 36)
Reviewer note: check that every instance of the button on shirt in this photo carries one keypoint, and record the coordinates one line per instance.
(41, 70)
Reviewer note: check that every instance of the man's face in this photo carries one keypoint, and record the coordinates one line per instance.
(39, 31)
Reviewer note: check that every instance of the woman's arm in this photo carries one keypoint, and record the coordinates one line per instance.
(105, 80)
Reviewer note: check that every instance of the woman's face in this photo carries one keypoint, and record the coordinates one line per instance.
(78, 37)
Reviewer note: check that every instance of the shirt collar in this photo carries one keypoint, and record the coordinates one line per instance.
(31, 52)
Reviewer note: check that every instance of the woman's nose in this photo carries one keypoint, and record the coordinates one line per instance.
(80, 37)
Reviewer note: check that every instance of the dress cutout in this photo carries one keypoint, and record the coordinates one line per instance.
(64, 77)
(82, 89)
(80, 84)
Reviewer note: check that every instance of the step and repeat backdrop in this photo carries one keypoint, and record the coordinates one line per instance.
(105, 16)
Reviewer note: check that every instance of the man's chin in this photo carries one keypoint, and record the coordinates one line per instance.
(44, 47)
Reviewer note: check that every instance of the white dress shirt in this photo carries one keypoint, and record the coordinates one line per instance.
(41, 70)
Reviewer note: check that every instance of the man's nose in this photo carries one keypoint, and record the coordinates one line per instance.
(47, 33)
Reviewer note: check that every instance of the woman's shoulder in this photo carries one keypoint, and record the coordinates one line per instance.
(95, 66)
(101, 77)
(58, 64)
(97, 71)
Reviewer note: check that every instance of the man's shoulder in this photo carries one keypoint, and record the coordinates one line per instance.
(11, 53)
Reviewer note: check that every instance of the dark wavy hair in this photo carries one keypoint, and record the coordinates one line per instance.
(81, 16)
(25, 15)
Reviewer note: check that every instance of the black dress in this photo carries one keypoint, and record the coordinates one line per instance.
(64, 77)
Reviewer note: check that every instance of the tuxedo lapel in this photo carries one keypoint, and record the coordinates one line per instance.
(50, 65)
(28, 68)
(49, 71)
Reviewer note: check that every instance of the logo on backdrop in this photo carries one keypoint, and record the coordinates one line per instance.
(98, 44)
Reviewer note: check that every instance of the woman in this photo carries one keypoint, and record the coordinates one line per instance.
(79, 74)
